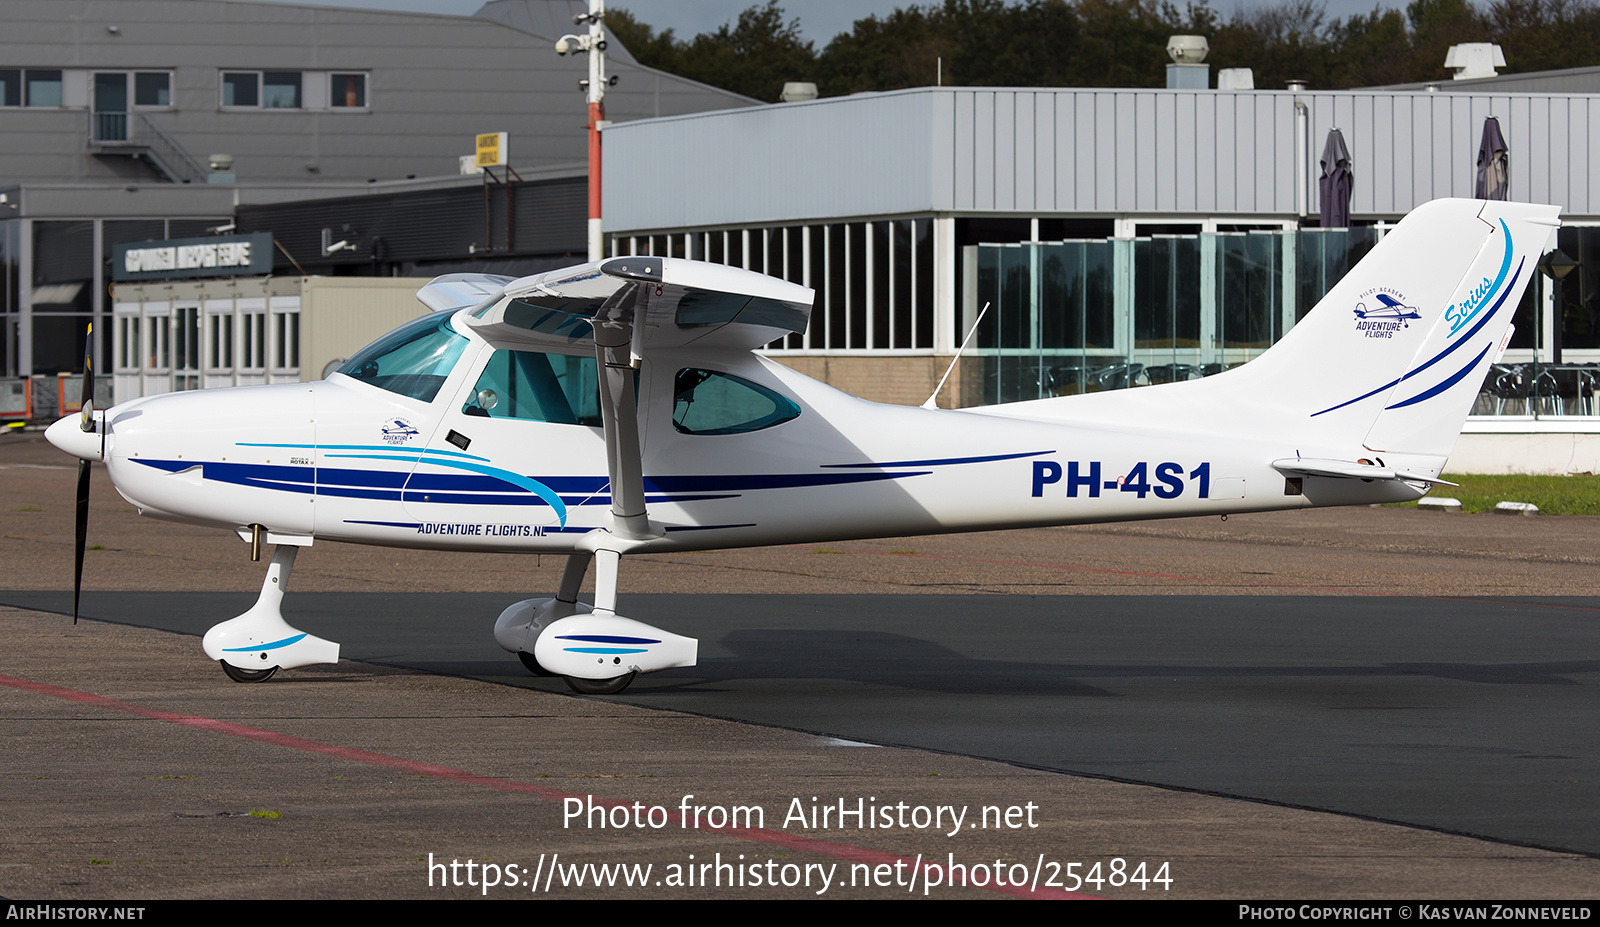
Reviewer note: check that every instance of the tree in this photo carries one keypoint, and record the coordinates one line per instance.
(907, 48)
(648, 47)
(1542, 35)
(754, 55)
(1370, 51)
(1115, 43)
(1435, 26)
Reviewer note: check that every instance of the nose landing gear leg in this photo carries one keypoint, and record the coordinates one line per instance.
(259, 642)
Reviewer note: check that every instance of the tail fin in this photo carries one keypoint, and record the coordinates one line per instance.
(1423, 411)
(1392, 357)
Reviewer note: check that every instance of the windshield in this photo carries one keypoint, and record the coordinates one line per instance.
(413, 360)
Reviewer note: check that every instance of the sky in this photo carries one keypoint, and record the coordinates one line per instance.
(820, 20)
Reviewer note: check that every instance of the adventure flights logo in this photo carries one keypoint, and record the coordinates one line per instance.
(1382, 311)
(398, 431)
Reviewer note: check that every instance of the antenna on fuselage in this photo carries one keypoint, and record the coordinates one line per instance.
(955, 360)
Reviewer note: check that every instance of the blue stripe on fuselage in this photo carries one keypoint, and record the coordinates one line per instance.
(475, 489)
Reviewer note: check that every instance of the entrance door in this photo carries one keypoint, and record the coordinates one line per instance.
(111, 107)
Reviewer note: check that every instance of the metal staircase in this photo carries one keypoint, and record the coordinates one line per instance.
(135, 135)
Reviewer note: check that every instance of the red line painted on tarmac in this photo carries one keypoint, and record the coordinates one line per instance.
(796, 842)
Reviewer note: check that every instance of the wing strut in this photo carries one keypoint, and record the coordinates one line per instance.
(619, 412)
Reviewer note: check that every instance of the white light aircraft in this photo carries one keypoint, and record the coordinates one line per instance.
(618, 407)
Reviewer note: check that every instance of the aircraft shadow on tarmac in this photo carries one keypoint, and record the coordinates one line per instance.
(436, 643)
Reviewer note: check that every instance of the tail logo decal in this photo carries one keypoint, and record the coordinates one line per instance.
(1465, 311)
(1382, 312)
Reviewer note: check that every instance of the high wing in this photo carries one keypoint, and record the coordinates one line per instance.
(665, 302)
(459, 291)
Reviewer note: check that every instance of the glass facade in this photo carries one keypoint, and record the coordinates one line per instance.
(1083, 316)
(1555, 373)
(53, 283)
(63, 294)
(874, 280)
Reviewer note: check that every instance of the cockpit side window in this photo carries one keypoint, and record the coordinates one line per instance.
(413, 360)
(705, 402)
(528, 385)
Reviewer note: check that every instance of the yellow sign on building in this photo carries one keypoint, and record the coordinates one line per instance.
(492, 151)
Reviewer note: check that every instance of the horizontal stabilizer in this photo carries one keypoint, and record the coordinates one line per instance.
(1349, 470)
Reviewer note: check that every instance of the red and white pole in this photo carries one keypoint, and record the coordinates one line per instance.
(597, 116)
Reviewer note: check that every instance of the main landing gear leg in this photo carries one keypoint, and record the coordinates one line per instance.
(598, 651)
(259, 642)
(606, 563)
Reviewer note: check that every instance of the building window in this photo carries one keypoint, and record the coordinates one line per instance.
(261, 89)
(31, 87)
(303, 90)
(44, 88)
(128, 357)
(152, 88)
(280, 90)
(286, 341)
(347, 91)
(241, 89)
(253, 340)
(221, 355)
(157, 345)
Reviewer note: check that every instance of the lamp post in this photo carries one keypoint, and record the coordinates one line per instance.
(1556, 265)
(592, 43)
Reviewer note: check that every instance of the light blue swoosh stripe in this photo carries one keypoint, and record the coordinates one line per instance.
(272, 646)
(534, 486)
(392, 448)
(1505, 267)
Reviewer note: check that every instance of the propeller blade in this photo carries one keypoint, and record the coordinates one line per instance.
(86, 400)
(82, 535)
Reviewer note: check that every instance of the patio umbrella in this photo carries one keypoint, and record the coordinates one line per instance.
(1494, 164)
(1336, 182)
